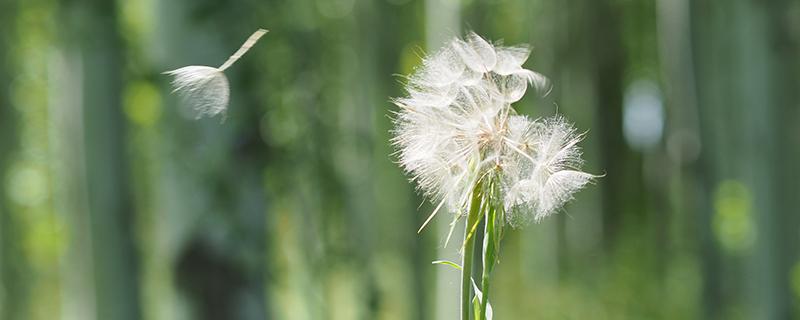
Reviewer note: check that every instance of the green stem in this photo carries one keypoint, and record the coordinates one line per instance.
(488, 257)
(469, 246)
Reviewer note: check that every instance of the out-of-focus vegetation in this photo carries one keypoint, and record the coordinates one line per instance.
(114, 204)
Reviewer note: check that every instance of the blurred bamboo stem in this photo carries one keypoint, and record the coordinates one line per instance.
(442, 23)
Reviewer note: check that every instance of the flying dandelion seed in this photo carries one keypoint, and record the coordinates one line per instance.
(206, 89)
(457, 125)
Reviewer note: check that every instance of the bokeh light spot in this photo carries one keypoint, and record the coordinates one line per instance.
(46, 241)
(795, 280)
(732, 222)
(142, 103)
(643, 115)
(27, 185)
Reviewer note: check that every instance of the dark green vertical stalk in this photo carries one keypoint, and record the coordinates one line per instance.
(469, 246)
(489, 246)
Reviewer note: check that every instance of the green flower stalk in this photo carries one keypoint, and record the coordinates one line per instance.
(468, 150)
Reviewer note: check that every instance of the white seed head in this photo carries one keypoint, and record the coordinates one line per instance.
(204, 89)
(456, 125)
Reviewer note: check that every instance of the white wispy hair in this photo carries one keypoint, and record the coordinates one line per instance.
(456, 125)
(543, 172)
(206, 89)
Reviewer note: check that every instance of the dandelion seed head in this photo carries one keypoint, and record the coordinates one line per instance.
(456, 125)
(204, 89)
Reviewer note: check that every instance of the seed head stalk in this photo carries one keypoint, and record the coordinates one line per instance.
(483, 207)
(491, 238)
(473, 217)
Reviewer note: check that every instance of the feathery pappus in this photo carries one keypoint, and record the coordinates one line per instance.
(456, 126)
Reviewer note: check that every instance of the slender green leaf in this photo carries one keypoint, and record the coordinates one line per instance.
(448, 263)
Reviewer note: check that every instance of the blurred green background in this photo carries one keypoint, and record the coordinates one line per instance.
(116, 205)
